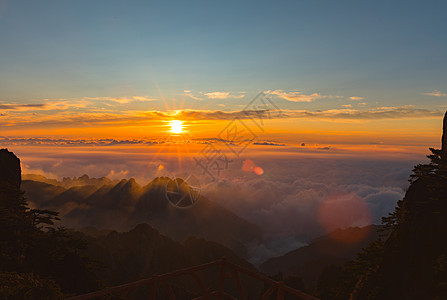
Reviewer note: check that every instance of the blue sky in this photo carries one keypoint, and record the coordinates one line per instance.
(390, 52)
(343, 71)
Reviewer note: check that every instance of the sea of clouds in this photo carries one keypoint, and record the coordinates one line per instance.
(295, 197)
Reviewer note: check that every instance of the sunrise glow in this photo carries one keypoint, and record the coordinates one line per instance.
(176, 126)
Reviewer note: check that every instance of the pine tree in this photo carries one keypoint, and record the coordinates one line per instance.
(31, 247)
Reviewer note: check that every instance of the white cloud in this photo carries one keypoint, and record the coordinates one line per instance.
(189, 94)
(222, 95)
(295, 96)
(218, 95)
(436, 93)
(356, 98)
(213, 95)
(143, 98)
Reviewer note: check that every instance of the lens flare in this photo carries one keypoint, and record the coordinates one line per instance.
(341, 211)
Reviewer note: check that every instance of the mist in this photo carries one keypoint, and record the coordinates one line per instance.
(296, 197)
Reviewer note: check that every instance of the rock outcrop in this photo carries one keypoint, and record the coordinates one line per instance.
(411, 264)
(10, 170)
(444, 134)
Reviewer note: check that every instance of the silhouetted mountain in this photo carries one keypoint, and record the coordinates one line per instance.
(444, 135)
(143, 252)
(29, 253)
(10, 168)
(69, 182)
(94, 232)
(123, 205)
(86, 180)
(412, 262)
(336, 248)
(44, 192)
(40, 178)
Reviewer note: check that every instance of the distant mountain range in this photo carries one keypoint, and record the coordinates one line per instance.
(336, 248)
(143, 252)
(121, 205)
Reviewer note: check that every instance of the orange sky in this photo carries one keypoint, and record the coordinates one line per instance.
(398, 132)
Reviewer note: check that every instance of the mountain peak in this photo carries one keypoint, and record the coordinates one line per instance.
(10, 170)
(444, 134)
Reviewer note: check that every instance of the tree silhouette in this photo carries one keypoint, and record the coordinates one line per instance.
(32, 249)
(411, 262)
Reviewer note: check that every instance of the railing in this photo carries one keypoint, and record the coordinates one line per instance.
(226, 268)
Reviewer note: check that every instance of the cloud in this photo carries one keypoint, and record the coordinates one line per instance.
(143, 98)
(295, 96)
(222, 95)
(355, 98)
(267, 143)
(290, 200)
(26, 169)
(109, 142)
(59, 104)
(76, 142)
(347, 105)
(403, 112)
(82, 119)
(123, 100)
(189, 94)
(218, 95)
(436, 93)
(117, 175)
(213, 95)
(286, 199)
(23, 107)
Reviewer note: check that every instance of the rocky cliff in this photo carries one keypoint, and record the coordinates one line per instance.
(444, 134)
(10, 170)
(414, 259)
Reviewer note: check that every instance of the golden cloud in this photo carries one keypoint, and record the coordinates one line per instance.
(436, 93)
(356, 98)
(222, 95)
(295, 96)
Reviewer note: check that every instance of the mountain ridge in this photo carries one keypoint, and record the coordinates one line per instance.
(123, 204)
(335, 248)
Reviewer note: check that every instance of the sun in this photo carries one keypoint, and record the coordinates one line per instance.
(176, 126)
